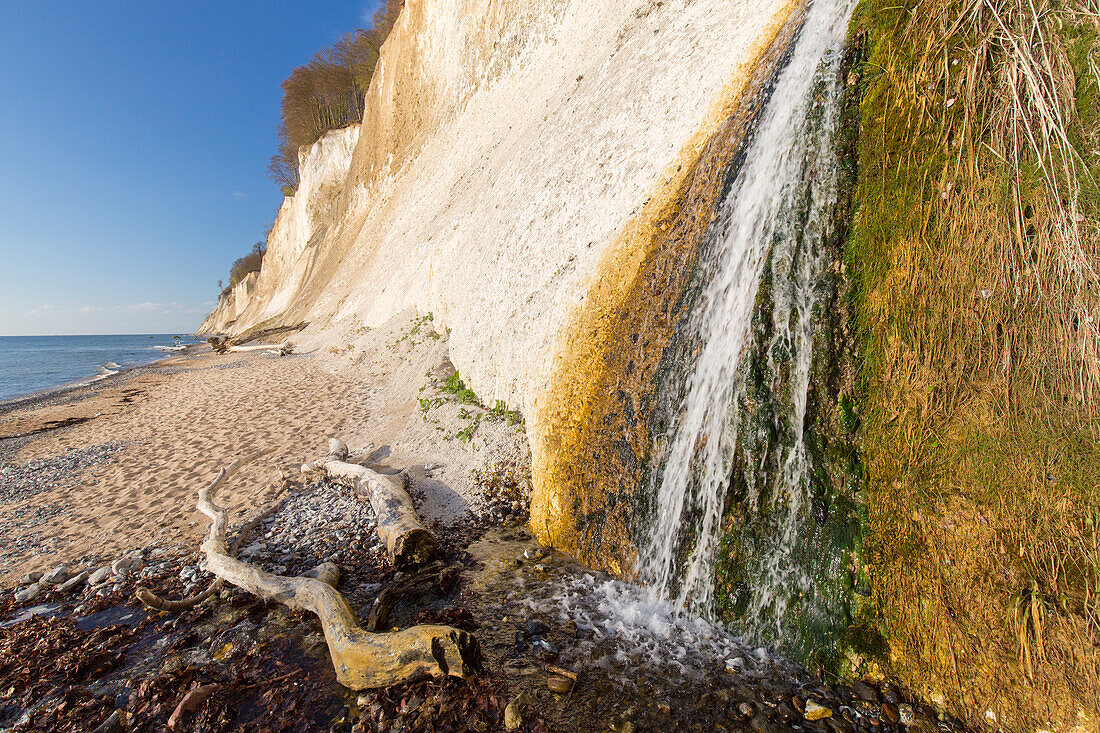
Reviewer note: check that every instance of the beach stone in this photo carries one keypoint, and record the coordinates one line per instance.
(57, 576)
(535, 628)
(559, 683)
(814, 711)
(864, 691)
(126, 565)
(27, 593)
(30, 578)
(513, 716)
(74, 582)
(100, 576)
(891, 694)
(787, 712)
(761, 724)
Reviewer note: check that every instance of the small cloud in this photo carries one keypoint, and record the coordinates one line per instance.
(39, 311)
(240, 195)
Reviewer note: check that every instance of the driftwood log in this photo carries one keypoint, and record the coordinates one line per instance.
(407, 541)
(362, 660)
(152, 600)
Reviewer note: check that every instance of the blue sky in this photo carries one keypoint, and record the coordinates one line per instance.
(135, 138)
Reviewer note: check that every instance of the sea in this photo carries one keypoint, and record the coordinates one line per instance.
(31, 364)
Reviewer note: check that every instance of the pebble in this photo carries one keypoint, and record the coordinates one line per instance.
(840, 725)
(73, 583)
(513, 717)
(535, 628)
(906, 714)
(100, 576)
(814, 711)
(57, 576)
(21, 482)
(788, 713)
(28, 593)
(747, 709)
(534, 553)
(559, 683)
(761, 724)
(864, 691)
(30, 578)
(126, 565)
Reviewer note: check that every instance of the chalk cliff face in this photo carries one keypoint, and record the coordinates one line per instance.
(535, 175)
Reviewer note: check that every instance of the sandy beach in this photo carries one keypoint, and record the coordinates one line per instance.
(131, 452)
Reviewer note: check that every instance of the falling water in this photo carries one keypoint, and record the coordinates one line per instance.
(772, 224)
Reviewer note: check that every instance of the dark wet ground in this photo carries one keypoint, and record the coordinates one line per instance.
(68, 664)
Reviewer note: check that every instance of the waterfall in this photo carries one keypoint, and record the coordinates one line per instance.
(771, 226)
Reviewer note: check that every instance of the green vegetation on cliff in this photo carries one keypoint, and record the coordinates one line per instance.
(974, 251)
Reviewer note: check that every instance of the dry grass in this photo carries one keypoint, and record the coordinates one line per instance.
(977, 248)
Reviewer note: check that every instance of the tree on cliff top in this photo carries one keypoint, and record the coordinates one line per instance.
(241, 268)
(328, 92)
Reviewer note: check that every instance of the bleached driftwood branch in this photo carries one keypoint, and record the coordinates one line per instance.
(407, 540)
(363, 660)
(152, 600)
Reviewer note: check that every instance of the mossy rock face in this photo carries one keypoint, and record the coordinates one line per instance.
(977, 404)
(806, 609)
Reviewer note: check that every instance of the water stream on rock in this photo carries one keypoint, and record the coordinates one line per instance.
(772, 225)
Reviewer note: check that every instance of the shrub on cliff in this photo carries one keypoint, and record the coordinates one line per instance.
(242, 266)
(327, 93)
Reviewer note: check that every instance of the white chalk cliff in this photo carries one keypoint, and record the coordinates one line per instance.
(506, 147)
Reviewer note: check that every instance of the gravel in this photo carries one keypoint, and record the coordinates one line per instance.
(21, 482)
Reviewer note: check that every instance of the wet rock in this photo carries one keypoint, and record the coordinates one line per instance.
(864, 691)
(100, 576)
(535, 628)
(513, 714)
(890, 694)
(839, 725)
(126, 565)
(31, 591)
(787, 713)
(746, 710)
(906, 714)
(559, 683)
(534, 553)
(761, 724)
(74, 583)
(890, 712)
(815, 711)
(113, 724)
(57, 576)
